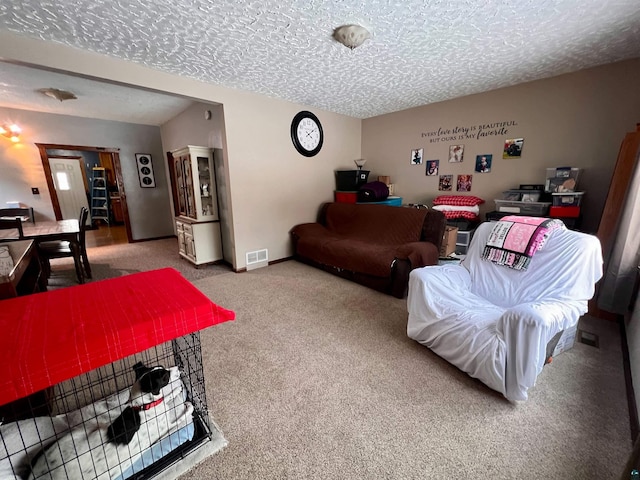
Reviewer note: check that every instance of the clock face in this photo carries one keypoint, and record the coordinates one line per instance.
(306, 133)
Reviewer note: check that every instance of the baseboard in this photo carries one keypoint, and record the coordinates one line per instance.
(631, 396)
(154, 238)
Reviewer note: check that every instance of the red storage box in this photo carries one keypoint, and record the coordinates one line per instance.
(346, 197)
(564, 212)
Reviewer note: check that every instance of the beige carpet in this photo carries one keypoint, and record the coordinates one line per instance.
(117, 260)
(316, 379)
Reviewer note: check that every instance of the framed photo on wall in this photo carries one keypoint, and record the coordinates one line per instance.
(483, 163)
(513, 148)
(145, 170)
(456, 153)
(416, 156)
(445, 183)
(432, 167)
(464, 183)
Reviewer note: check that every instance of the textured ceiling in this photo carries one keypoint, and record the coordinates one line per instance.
(420, 51)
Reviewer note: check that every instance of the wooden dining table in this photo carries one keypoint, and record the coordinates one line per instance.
(61, 230)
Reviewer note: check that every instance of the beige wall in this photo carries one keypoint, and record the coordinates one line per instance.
(192, 128)
(577, 120)
(272, 187)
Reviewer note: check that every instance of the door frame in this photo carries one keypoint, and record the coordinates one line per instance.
(115, 157)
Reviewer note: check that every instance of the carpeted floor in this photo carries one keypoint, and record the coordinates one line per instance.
(117, 260)
(316, 379)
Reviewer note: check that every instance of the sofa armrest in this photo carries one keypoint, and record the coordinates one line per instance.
(409, 256)
(526, 330)
(433, 228)
(419, 254)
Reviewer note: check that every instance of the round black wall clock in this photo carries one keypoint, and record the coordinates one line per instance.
(306, 133)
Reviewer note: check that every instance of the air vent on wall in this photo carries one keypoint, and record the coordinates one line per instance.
(257, 259)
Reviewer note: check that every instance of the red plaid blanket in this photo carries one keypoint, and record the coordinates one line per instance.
(52, 336)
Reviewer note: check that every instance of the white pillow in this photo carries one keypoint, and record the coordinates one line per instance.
(456, 208)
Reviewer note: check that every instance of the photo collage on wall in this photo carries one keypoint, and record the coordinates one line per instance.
(512, 148)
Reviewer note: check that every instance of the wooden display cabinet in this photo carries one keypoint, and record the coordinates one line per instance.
(195, 197)
(195, 183)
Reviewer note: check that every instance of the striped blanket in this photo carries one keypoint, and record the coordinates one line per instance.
(514, 239)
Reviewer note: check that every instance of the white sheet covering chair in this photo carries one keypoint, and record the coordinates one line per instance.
(495, 323)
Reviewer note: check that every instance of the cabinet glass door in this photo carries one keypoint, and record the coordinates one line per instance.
(188, 189)
(206, 187)
(180, 187)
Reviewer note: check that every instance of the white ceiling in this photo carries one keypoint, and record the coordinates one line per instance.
(421, 51)
(19, 87)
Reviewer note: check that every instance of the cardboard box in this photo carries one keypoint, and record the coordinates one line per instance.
(449, 241)
(567, 340)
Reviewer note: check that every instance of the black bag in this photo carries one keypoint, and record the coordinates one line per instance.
(373, 192)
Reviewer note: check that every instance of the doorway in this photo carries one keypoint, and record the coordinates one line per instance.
(68, 169)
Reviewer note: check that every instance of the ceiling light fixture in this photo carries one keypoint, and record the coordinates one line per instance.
(12, 132)
(57, 94)
(351, 36)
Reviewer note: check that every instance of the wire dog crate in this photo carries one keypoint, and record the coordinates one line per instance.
(98, 397)
(65, 430)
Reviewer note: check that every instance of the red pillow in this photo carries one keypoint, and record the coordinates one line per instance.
(458, 200)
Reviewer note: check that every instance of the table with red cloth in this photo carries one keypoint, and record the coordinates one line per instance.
(53, 336)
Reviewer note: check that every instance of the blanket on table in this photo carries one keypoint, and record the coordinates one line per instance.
(515, 239)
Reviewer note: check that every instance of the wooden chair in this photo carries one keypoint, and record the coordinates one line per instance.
(9, 224)
(60, 249)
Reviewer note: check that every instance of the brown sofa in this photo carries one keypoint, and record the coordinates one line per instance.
(375, 245)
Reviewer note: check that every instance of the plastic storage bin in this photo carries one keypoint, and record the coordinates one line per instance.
(346, 197)
(534, 209)
(351, 180)
(562, 179)
(393, 201)
(564, 212)
(567, 199)
(522, 195)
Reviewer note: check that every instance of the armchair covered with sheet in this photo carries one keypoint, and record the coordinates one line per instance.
(498, 317)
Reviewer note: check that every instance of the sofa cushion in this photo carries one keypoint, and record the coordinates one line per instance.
(380, 224)
(327, 248)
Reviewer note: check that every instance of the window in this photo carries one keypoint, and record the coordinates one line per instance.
(63, 181)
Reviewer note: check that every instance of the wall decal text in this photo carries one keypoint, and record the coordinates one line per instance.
(469, 132)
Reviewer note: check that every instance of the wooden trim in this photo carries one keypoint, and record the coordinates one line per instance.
(117, 167)
(44, 158)
(172, 183)
(56, 146)
(622, 174)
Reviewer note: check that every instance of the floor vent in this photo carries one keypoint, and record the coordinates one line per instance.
(588, 338)
(257, 259)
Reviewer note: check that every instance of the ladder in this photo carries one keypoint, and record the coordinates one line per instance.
(99, 196)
